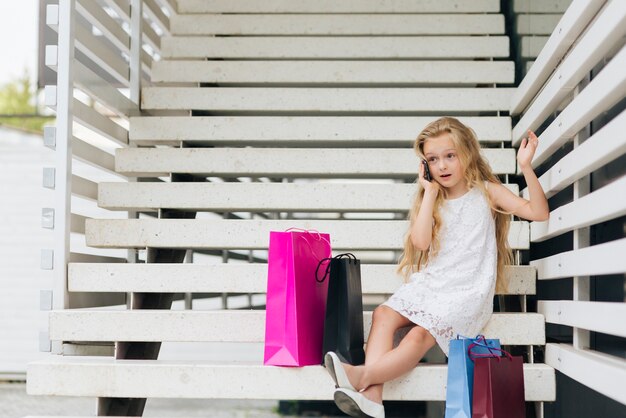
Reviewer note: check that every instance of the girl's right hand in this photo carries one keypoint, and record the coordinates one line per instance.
(429, 186)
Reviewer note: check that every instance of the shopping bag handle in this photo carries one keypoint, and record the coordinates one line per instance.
(480, 338)
(351, 257)
(473, 356)
(318, 238)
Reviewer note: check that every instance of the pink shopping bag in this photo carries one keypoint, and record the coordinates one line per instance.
(296, 301)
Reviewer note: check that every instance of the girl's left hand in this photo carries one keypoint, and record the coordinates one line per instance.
(527, 150)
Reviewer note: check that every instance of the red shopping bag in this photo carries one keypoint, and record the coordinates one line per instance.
(296, 300)
(498, 385)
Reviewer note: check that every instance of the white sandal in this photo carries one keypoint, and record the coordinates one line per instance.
(357, 405)
(336, 371)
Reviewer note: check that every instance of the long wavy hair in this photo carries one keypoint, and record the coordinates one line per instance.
(476, 171)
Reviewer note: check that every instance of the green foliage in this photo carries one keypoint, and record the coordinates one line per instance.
(17, 98)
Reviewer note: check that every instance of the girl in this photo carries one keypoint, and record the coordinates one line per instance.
(454, 250)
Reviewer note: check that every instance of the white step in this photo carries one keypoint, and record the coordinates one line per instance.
(235, 326)
(237, 278)
(335, 72)
(341, 24)
(327, 99)
(331, 6)
(345, 47)
(256, 197)
(319, 131)
(254, 234)
(159, 379)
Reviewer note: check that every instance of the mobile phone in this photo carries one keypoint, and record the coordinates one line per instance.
(427, 175)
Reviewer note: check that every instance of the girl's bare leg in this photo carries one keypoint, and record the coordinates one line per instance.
(382, 363)
(385, 322)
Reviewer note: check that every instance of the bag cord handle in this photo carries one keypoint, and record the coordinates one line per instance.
(351, 257)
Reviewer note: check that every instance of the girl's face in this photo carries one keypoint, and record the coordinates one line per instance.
(443, 162)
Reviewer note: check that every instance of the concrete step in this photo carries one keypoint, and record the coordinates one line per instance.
(338, 24)
(316, 100)
(286, 162)
(432, 73)
(235, 326)
(237, 278)
(65, 376)
(319, 131)
(253, 234)
(344, 47)
(331, 6)
(258, 197)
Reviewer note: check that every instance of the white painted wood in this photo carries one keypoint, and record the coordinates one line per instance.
(95, 15)
(84, 188)
(92, 155)
(237, 278)
(320, 131)
(605, 33)
(330, 6)
(153, 10)
(327, 99)
(104, 56)
(540, 6)
(253, 234)
(573, 22)
(601, 372)
(536, 24)
(101, 90)
(146, 378)
(605, 317)
(605, 90)
(344, 47)
(593, 208)
(531, 46)
(230, 197)
(234, 326)
(331, 72)
(286, 162)
(101, 124)
(601, 148)
(339, 24)
(591, 261)
(91, 258)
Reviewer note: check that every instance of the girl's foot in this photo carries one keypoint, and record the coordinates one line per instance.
(345, 375)
(373, 394)
(356, 405)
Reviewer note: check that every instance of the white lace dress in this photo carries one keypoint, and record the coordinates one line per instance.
(454, 292)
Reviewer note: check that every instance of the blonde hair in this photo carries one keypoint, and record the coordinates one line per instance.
(476, 172)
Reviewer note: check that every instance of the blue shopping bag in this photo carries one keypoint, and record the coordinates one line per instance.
(461, 374)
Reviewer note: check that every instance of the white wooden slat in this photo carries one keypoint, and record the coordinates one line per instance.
(327, 99)
(105, 57)
(604, 91)
(77, 223)
(345, 47)
(593, 208)
(321, 131)
(234, 326)
(537, 24)
(230, 197)
(84, 188)
(346, 24)
(153, 10)
(150, 36)
(540, 6)
(92, 155)
(605, 317)
(121, 8)
(330, 6)
(103, 91)
(99, 123)
(253, 234)
(601, 148)
(146, 378)
(91, 258)
(342, 72)
(589, 261)
(601, 372)
(95, 14)
(597, 41)
(237, 278)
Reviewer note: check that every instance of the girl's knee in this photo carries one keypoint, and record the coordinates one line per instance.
(383, 313)
(419, 335)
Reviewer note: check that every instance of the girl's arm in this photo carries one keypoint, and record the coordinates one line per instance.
(535, 209)
(422, 226)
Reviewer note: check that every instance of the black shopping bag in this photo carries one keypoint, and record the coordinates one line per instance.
(343, 324)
